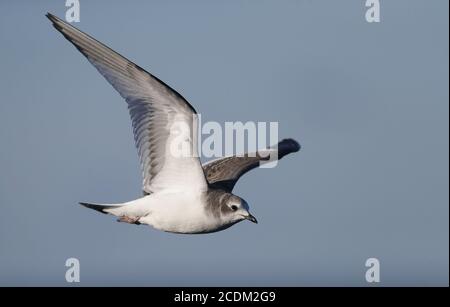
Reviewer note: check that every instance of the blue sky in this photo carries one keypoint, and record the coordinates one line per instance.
(368, 103)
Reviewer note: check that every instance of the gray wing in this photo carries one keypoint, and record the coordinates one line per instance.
(159, 115)
(223, 173)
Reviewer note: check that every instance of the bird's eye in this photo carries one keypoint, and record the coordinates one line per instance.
(234, 207)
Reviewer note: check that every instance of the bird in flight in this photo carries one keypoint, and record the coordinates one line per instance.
(180, 194)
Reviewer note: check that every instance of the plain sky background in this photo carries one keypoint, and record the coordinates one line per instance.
(368, 102)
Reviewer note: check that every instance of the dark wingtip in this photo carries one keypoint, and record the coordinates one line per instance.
(287, 146)
(51, 16)
(290, 144)
(56, 22)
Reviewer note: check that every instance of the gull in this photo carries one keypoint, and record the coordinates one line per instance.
(180, 195)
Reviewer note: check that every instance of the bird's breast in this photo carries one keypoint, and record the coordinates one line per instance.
(180, 213)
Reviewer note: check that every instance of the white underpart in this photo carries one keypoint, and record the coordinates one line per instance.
(179, 212)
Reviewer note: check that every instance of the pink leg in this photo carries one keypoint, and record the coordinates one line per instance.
(129, 219)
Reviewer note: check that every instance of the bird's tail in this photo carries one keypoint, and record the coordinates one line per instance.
(104, 208)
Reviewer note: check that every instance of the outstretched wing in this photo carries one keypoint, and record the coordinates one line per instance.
(223, 173)
(160, 116)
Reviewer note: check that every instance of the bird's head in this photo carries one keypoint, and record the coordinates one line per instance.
(234, 209)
